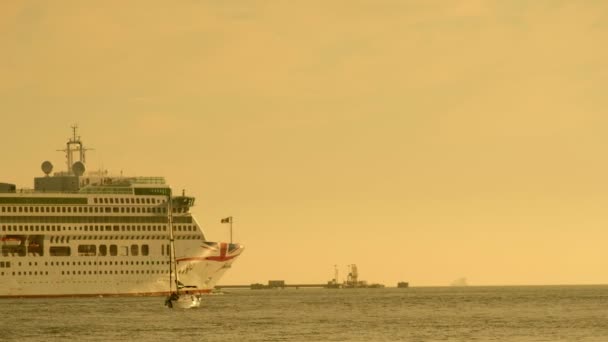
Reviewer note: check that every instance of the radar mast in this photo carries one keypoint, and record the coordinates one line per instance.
(74, 144)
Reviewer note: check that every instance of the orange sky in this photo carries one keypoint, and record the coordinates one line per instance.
(423, 140)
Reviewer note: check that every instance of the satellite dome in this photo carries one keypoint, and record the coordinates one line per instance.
(78, 168)
(47, 167)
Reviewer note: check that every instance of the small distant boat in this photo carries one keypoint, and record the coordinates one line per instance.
(184, 301)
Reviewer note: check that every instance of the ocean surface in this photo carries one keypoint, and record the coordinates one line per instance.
(527, 313)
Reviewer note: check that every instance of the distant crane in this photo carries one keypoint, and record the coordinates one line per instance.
(353, 277)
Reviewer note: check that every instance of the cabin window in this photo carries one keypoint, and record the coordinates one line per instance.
(113, 250)
(134, 250)
(145, 250)
(103, 250)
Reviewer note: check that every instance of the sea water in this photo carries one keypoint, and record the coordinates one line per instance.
(534, 313)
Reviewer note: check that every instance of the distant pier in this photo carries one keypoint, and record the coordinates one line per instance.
(280, 284)
(352, 282)
(272, 284)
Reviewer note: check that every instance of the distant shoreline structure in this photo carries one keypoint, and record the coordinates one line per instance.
(352, 282)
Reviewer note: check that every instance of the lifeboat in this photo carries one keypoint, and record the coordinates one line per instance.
(10, 241)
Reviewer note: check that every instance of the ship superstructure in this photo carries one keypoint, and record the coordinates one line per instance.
(91, 235)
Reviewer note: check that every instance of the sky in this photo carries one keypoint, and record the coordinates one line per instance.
(422, 140)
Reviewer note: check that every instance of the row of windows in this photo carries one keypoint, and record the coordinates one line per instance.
(30, 273)
(96, 228)
(107, 263)
(88, 209)
(43, 200)
(93, 219)
(116, 272)
(60, 251)
(36, 249)
(34, 273)
(79, 200)
(91, 250)
(103, 250)
(89, 263)
(130, 200)
(62, 239)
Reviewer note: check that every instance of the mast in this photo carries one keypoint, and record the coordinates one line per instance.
(74, 144)
(173, 261)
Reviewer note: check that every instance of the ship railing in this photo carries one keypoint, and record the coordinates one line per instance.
(148, 180)
(34, 191)
(25, 191)
(106, 190)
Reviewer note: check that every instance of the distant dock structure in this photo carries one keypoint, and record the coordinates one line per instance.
(352, 282)
(272, 284)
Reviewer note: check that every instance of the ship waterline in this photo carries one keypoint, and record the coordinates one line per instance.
(94, 235)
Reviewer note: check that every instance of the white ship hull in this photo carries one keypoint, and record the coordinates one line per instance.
(95, 235)
(200, 269)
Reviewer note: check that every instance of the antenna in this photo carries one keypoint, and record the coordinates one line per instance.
(74, 144)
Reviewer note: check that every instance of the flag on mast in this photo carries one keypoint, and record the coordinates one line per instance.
(227, 219)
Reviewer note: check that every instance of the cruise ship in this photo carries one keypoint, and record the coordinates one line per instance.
(81, 233)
